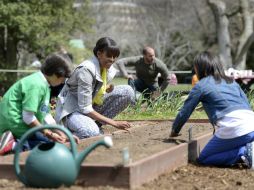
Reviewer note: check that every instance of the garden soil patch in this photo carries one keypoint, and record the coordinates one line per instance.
(143, 140)
(147, 138)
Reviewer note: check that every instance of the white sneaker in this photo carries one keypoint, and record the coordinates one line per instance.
(7, 143)
(245, 161)
(250, 154)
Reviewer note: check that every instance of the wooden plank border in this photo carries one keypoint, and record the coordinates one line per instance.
(132, 175)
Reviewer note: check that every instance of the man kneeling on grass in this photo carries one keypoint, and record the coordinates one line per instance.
(152, 75)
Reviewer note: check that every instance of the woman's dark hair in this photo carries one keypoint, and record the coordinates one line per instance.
(56, 64)
(107, 45)
(207, 64)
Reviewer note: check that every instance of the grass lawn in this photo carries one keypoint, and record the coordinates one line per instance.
(161, 108)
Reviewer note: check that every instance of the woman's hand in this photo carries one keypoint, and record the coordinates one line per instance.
(54, 136)
(110, 88)
(63, 135)
(57, 137)
(124, 125)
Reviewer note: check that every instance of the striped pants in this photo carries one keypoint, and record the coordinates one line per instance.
(114, 103)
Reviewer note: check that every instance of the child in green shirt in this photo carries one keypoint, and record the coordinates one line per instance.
(26, 105)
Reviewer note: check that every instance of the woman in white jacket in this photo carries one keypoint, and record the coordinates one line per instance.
(87, 100)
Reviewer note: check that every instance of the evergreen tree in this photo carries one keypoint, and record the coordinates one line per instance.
(37, 26)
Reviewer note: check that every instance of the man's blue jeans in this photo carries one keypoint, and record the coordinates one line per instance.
(225, 152)
(140, 86)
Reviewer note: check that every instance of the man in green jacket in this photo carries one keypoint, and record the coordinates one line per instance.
(152, 75)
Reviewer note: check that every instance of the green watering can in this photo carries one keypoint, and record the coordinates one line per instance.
(50, 165)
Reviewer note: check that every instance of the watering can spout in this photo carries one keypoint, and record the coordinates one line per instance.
(106, 141)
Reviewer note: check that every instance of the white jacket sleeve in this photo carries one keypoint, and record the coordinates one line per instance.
(28, 117)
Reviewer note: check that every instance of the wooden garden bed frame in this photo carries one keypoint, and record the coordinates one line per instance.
(131, 175)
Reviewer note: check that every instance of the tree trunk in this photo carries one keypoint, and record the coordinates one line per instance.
(246, 38)
(11, 53)
(2, 47)
(9, 59)
(218, 7)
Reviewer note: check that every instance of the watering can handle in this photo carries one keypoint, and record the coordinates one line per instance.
(28, 134)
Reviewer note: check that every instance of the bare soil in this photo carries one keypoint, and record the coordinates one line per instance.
(144, 141)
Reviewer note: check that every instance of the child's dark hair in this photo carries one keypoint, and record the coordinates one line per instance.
(107, 45)
(56, 64)
(207, 64)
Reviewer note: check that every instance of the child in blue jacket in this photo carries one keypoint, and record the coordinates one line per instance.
(228, 110)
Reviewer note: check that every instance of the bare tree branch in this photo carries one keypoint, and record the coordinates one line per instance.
(199, 16)
(246, 38)
(218, 7)
(245, 48)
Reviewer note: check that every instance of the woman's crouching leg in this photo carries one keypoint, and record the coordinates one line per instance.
(115, 102)
(82, 126)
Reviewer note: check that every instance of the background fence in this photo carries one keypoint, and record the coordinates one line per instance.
(9, 76)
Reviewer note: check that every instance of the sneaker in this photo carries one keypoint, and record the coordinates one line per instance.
(250, 154)
(245, 162)
(7, 143)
